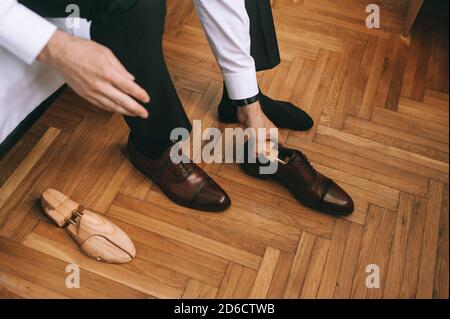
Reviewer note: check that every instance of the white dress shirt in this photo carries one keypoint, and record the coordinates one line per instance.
(226, 24)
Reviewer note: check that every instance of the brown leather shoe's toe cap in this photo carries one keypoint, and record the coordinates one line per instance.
(336, 201)
(211, 198)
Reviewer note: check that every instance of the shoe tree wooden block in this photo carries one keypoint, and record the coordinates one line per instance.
(271, 153)
(97, 237)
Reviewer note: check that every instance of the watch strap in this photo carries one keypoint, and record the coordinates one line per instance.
(245, 102)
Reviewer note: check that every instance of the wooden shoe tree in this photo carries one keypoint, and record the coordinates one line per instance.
(271, 153)
(97, 237)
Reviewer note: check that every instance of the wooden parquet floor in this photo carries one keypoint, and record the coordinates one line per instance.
(380, 104)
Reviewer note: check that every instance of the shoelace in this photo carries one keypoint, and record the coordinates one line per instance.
(305, 162)
(185, 169)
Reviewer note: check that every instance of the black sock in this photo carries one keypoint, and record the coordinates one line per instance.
(283, 114)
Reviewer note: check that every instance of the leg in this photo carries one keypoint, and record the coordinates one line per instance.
(265, 52)
(413, 10)
(133, 30)
(264, 48)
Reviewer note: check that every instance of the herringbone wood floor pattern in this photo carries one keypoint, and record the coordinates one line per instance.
(380, 104)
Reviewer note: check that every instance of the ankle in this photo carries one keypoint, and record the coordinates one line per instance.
(248, 112)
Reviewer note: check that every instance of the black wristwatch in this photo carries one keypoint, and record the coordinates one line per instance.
(245, 102)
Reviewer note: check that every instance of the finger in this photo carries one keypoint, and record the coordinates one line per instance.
(130, 87)
(274, 135)
(95, 101)
(126, 102)
(111, 106)
(258, 141)
(119, 67)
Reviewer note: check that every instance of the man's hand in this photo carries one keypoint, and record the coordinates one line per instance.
(94, 73)
(251, 116)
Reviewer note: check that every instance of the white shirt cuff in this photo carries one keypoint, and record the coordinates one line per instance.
(24, 33)
(241, 85)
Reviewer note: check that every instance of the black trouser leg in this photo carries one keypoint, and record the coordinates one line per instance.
(264, 47)
(265, 52)
(264, 44)
(133, 30)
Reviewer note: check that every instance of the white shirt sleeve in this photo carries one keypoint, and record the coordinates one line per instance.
(23, 32)
(227, 27)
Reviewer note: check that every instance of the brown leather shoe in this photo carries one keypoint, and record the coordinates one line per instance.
(185, 184)
(308, 186)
